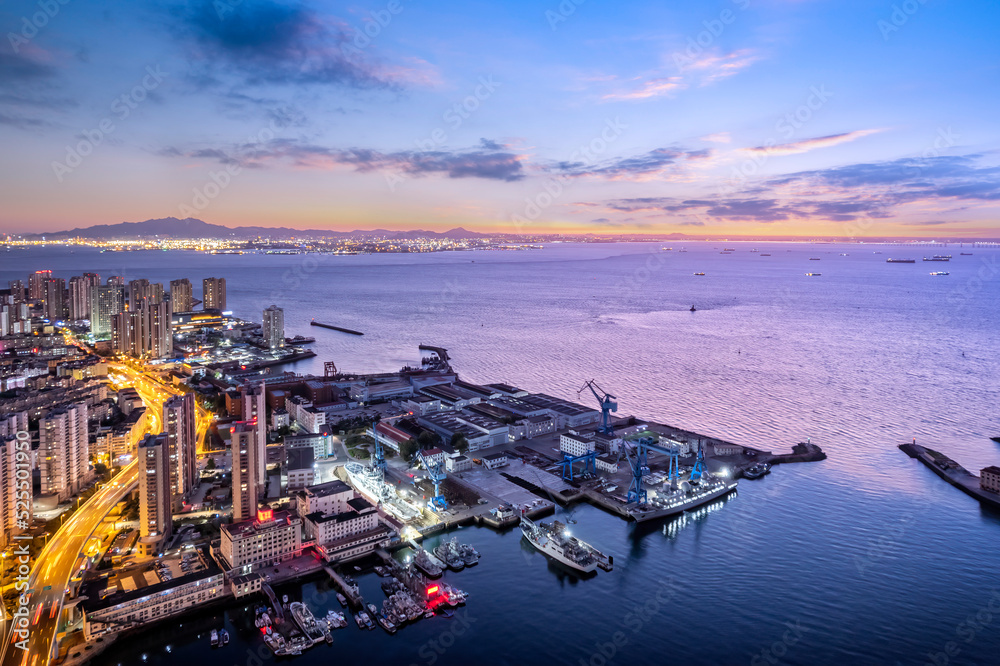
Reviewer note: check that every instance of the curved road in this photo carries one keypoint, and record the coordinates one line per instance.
(61, 557)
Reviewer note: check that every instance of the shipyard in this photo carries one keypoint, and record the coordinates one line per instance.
(364, 468)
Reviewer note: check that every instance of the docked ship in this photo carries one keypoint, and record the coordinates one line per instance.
(428, 564)
(370, 483)
(554, 541)
(686, 497)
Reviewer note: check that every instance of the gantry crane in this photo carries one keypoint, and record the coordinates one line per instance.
(608, 404)
(436, 476)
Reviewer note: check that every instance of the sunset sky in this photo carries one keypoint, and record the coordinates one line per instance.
(784, 117)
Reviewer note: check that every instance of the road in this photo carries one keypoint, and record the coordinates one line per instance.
(61, 558)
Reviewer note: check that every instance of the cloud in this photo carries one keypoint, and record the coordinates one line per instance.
(270, 42)
(653, 163)
(718, 137)
(28, 85)
(658, 87)
(479, 162)
(806, 145)
(928, 223)
(755, 209)
(712, 67)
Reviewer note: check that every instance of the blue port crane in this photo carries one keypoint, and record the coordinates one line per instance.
(436, 475)
(589, 464)
(608, 402)
(639, 462)
(698, 471)
(378, 457)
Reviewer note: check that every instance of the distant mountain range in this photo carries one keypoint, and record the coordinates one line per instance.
(171, 227)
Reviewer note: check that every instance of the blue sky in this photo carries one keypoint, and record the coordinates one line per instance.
(784, 117)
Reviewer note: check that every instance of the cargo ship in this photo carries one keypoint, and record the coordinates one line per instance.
(688, 495)
(554, 541)
(900, 261)
(370, 483)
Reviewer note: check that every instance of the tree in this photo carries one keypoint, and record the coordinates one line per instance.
(408, 449)
(210, 464)
(428, 439)
(100, 469)
(460, 443)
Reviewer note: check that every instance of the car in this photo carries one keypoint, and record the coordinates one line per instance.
(46, 588)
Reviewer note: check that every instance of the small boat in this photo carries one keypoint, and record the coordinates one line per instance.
(814, 258)
(693, 309)
(358, 621)
(765, 255)
(372, 609)
(940, 273)
(813, 274)
(357, 568)
(223, 637)
(215, 638)
(385, 623)
(699, 273)
(367, 620)
(284, 599)
(342, 599)
(965, 254)
(900, 261)
(757, 470)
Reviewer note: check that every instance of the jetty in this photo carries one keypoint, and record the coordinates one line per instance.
(352, 592)
(952, 472)
(335, 328)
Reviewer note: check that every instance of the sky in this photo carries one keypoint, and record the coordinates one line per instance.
(760, 117)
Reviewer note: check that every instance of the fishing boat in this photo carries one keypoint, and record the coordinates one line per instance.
(699, 273)
(215, 638)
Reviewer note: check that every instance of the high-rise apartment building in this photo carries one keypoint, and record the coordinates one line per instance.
(142, 292)
(181, 295)
(54, 306)
(105, 303)
(255, 417)
(36, 285)
(144, 333)
(274, 327)
(63, 450)
(179, 428)
(213, 293)
(245, 491)
(80, 288)
(15, 486)
(155, 517)
(16, 290)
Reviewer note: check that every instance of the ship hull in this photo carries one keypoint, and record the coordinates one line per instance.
(695, 502)
(554, 554)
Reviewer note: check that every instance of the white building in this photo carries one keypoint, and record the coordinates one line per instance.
(495, 460)
(136, 608)
(15, 486)
(155, 518)
(321, 444)
(607, 463)
(178, 425)
(64, 451)
(244, 482)
(989, 479)
(575, 444)
(269, 538)
(457, 463)
(274, 327)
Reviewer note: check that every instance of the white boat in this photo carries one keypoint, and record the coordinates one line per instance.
(215, 638)
(687, 496)
(555, 541)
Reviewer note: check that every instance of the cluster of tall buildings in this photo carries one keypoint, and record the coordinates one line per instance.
(137, 315)
(167, 471)
(249, 447)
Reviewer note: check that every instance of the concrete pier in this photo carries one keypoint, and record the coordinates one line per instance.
(350, 591)
(952, 472)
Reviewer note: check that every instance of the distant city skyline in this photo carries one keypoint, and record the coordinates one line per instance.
(738, 117)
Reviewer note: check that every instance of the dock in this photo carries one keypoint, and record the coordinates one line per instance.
(273, 598)
(335, 328)
(952, 472)
(350, 591)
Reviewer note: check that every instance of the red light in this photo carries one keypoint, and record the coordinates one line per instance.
(433, 589)
(264, 515)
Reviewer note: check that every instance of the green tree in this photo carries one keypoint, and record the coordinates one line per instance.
(408, 449)
(460, 443)
(210, 464)
(428, 439)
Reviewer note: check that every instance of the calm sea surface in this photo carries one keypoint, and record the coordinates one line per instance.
(865, 558)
